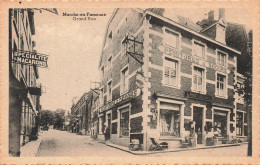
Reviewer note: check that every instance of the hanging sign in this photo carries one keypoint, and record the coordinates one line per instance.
(197, 96)
(30, 58)
(124, 97)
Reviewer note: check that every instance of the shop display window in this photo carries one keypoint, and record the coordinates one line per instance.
(169, 123)
(124, 122)
(239, 123)
(220, 123)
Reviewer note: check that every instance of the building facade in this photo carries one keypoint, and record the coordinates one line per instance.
(24, 90)
(82, 111)
(79, 110)
(159, 73)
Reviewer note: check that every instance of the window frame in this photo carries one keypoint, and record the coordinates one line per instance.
(174, 32)
(109, 62)
(225, 85)
(124, 90)
(109, 93)
(178, 63)
(203, 91)
(196, 42)
(119, 111)
(225, 59)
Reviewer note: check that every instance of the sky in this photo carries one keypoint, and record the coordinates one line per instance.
(74, 49)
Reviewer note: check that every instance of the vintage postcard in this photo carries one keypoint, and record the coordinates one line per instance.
(133, 82)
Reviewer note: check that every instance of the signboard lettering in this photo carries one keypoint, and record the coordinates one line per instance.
(193, 59)
(126, 96)
(30, 58)
(197, 96)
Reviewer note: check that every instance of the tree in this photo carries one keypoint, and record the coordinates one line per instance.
(46, 118)
(246, 90)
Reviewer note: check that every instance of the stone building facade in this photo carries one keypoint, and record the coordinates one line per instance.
(160, 73)
(24, 91)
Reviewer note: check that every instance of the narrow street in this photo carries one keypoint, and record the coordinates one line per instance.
(62, 143)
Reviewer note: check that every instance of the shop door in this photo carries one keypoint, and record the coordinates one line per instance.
(109, 124)
(197, 117)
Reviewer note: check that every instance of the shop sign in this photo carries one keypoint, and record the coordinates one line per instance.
(30, 58)
(126, 96)
(193, 59)
(197, 96)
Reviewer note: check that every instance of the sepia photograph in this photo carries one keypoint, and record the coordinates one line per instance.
(130, 82)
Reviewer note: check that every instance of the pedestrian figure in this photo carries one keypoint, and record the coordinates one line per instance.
(193, 135)
(106, 132)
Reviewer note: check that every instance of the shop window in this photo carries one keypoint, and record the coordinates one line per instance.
(171, 39)
(221, 59)
(199, 50)
(124, 122)
(198, 79)
(221, 85)
(220, 123)
(124, 80)
(170, 72)
(109, 86)
(169, 123)
(239, 124)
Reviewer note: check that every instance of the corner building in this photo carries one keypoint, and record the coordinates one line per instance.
(159, 73)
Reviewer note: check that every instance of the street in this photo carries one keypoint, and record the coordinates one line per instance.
(62, 143)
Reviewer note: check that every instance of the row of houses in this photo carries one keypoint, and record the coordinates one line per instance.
(161, 72)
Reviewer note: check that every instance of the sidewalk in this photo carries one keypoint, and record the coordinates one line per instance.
(170, 150)
(30, 149)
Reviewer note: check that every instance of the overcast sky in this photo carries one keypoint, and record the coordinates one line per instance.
(74, 49)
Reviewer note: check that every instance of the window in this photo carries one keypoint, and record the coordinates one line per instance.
(109, 88)
(102, 96)
(170, 72)
(101, 124)
(124, 122)
(221, 87)
(171, 39)
(198, 79)
(109, 62)
(221, 59)
(102, 72)
(110, 35)
(239, 123)
(169, 123)
(240, 94)
(199, 50)
(220, 123)
(124, 80)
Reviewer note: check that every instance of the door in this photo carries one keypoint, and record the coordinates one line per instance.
(109, 125)
(197, 117)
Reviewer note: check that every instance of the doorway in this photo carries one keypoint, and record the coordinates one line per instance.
(109, 125)
(197, 117)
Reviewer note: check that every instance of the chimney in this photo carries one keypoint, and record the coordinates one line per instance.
(221, 13)
(211, 15)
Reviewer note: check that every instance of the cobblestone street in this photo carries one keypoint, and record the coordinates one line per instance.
(62, 143)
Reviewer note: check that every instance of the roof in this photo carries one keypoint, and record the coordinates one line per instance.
(191, 30)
